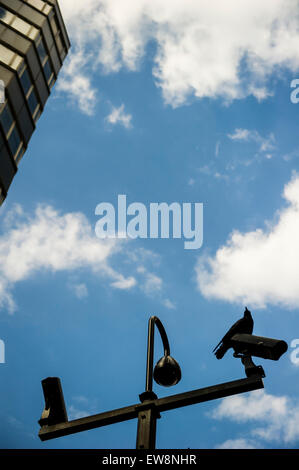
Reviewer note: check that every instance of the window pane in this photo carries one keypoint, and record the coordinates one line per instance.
(6, 119)
(37, 115)
(19, 154)
(14, 140)
(48, 70)
(41, 51)
(26, 81)
(51, 81)
(32, 101)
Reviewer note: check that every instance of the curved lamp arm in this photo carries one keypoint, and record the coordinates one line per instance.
(150, 349)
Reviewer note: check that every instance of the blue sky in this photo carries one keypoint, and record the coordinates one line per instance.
(166, 102)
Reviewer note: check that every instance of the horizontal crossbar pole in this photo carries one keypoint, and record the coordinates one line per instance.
(209, 393)
(160, 404)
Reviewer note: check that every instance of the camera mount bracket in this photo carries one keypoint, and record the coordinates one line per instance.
(250, 368)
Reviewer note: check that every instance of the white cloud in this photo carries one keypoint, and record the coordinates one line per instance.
(204, 49)
(80, 290)
(124, 283)
(151, 282)
(153, 286)
(118, 116)
(240, 134)
(238, 444)
(169, 304)
(75, 82)
(266, 144)
(278, 416)
(54, 242)
(291, 155)
(76, 413)
(82, 406)
(258, 267)
(254, 406)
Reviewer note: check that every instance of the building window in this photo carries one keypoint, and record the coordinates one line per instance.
(37, 114)
(19, 154)
(48, 70)
(56, 32)
(29, 91)
(51, 81)
(25, 81)
(45, 60)
(10, 130)
(6, 119)
(14, 140)
(32, 102)
(41, 51)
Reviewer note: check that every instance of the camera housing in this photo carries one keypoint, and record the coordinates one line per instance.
(259, 346)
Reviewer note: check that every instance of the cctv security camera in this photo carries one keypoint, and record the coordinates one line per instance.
(250, 345)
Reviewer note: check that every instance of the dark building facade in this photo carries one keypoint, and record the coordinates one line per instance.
(33, 46)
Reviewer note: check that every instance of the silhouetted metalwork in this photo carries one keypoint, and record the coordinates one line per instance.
(244, 325)
(167, 372)
(54, 411)
(267, 348)
(245, 344)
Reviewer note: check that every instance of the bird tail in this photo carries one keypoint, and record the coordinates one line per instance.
(221, 351)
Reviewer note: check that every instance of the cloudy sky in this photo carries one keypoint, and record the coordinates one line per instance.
(161, 101)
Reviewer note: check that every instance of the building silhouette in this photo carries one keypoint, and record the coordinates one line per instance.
(33, 46)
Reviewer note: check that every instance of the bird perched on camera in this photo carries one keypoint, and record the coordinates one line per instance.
(244, 325)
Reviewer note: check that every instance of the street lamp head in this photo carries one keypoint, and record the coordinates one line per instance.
(167, 371)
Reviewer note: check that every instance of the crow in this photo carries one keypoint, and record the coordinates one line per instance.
(244, 325)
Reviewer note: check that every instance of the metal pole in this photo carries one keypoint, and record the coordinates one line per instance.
(150, 355)
(146, 429)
